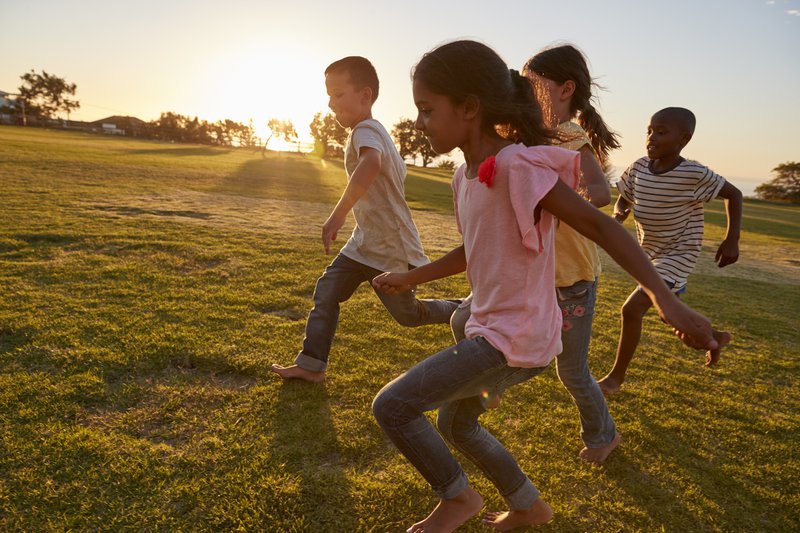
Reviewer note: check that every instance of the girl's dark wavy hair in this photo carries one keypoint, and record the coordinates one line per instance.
(508, 106)
(566, 62)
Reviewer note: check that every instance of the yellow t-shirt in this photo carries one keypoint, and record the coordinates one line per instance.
(577, 258)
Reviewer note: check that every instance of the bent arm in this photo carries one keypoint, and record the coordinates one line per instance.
(369, 165)
(594, 178)
(621, 209)
(728, 252)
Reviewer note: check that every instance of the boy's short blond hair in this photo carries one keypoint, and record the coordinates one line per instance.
(362, 73)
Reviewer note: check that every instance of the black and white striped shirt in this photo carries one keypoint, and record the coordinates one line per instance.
(668, 212)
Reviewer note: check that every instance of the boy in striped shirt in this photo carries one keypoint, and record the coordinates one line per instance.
(667, 193)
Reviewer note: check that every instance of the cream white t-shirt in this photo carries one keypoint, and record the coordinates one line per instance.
(509, 245)
(385, 236)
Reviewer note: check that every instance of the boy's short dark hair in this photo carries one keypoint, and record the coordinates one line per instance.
(361, 72)
(682, 117)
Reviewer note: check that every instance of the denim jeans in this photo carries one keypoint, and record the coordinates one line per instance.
(336, 285)
(572, 364)
(455, 381)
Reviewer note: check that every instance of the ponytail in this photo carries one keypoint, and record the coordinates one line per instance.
(603, 140)
(526, 125)
(566, 62)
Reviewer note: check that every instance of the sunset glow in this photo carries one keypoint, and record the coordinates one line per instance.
(261, 60)
(262, 82)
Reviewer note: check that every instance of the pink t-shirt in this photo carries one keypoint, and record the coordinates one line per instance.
(510, 253)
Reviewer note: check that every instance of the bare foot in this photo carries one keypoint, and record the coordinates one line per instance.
(295, 372)
(449, 514)
(598, 455)
(722, 338)
(609, 385)
(493, 401)
(537, 514)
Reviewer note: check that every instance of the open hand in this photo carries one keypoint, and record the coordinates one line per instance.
(692, 328)
(330, 229)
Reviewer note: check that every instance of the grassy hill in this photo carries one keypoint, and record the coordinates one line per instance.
(145, 288)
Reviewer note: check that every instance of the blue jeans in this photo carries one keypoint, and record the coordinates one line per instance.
(336, 285)
(572, 364)
(454, 381)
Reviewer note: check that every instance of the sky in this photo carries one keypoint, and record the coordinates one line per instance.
(734, 63)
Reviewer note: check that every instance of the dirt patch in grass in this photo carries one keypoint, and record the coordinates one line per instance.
(759, 261)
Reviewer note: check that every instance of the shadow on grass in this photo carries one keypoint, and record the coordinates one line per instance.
(183, 151)
(305, 442)
(285, 177)
(723, 502)
(133, 211)
(12, 338)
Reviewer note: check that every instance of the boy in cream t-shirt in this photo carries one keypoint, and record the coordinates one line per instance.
(384, 239)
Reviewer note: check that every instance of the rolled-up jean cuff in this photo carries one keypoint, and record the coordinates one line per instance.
(455, 488)
(523, 497)
(309, 363)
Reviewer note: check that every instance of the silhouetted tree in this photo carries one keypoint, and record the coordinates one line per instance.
(329, 136)
(412, 142)
(785, 186)
(282, 129)
(44, 95)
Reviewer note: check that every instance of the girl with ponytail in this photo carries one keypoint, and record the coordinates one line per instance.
(506, 196)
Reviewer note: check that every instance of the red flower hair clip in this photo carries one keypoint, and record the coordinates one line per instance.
(487, 170)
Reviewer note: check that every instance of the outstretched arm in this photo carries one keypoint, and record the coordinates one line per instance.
(693, 328)
(454, 262)
(369, 165)
(728, 251)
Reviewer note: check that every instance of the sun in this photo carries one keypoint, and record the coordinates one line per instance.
(265, 82)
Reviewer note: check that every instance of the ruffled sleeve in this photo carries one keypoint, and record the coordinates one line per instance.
(533, 172)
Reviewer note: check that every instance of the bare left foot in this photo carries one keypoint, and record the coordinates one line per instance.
(598, 455)
(537, 514)
(493, 401)
(450, 514)
(722, 338)
(296, 372)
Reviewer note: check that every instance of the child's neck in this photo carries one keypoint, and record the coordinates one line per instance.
(478, 149)
(665, 164)
(561, 113)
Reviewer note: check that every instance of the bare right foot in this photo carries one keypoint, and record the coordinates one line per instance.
(609, 385)
(598, 455)
(722, 338)
(295, 372)
(450, 514)
(537, 514)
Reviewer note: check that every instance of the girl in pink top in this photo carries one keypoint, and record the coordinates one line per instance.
(505, 195)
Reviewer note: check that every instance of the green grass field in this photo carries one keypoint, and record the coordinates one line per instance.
(145, 288)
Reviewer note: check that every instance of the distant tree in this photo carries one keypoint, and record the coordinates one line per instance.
(411, 142)
(281, 129)
(785, 186)
(44, 95)
(446, 164)
(329, 136)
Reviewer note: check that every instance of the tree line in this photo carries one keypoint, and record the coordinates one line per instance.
(43, 96)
